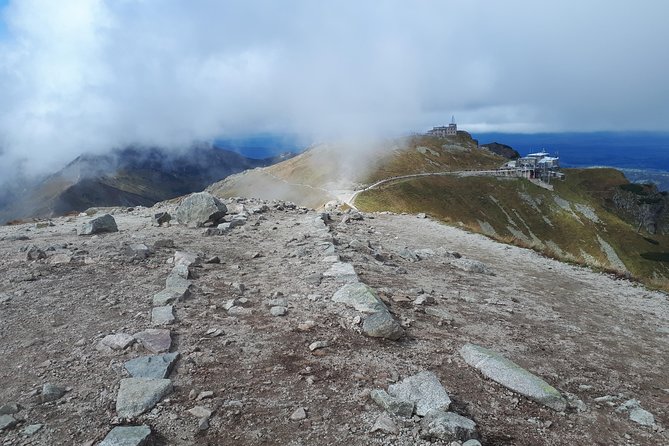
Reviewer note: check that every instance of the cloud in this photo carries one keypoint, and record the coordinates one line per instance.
(91, 75)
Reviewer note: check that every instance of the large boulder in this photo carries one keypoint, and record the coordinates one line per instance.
(200, 209)
(99, 225)
(447, 426)
(509, 374)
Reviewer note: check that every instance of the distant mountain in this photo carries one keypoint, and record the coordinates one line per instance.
(127, 177)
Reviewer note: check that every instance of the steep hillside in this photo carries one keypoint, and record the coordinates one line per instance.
(128, 177)
(577, 222)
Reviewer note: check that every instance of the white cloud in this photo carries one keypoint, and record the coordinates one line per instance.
(89, 75)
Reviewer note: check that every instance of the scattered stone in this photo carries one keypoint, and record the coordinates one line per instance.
(170, 295)
(382, 325)
(423, 389)
(188, 259)
(137, 395)
(447, 426)
(35, 253)
(213, 260)
(7, 422)
(385, 424)
(127, 436)
(31, 429)
(318, 345)
(155, 340)
(60, 259)
(575, 403)
(278, 311)
(163, 243)
(424, 299)
(359, 296)
(299, 414)
(118, 341)
(177, 282)
(199, 209)
(214, 332)
(10, 409)
(395, 406)
(99, 225)
(408, 254)
(471, 266)
(421, 215)
(162, 315)
(200, 412)
(239, 311)
(51, 392)
(137, 251)
(203, 424)
(306, 325)
(204, 395)
(507, 373)
(342, 272)
(439, 313)
(636, 413)
(180, 270)
(159, 366)
(162, 218)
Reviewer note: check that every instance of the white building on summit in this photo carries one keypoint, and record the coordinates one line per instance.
(444, 131)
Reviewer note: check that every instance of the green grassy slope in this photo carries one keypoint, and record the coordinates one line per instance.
(575, 222)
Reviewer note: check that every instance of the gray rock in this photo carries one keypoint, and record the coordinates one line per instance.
(137, 395)
(10, 409)
(278, 311)
(359, 296)
(155, 340)
(200, 412)
(163, 243)
(31, 429)
(636, 413)
(213, 260)
(199, 209)
(118, 341)
(408, 254)
(382, 325)
(35, 253)
(447, 426)
(575, 403)
(170, 295)
(424, 389)
(395, 406)
(127, 436)
(51, 392)
(187, 259)
(507, 373)
(137, 251)
(439, 313)
(342, 272)
(162, 218)
(177, 282)
(236, 310)
(299, 414)
(471, 266)
(471, 443)
(162, 315)
(385, 424)
(99, 225)
(7, 422)
(159, 366)
(424, 253)
(318, 345)
(180, 270)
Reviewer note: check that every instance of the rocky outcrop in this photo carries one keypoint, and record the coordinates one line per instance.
(200, 209)
(502, 150)
(99, 225)
(644, 205)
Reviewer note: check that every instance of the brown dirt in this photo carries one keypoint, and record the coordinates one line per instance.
(569, 325)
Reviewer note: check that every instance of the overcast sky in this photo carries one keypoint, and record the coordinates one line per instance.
(89, 75)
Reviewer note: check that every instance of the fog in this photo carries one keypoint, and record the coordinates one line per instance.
(93, 75)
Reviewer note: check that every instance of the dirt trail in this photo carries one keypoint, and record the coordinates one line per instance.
(583, 332)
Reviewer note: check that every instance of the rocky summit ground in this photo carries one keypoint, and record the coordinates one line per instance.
(267, 357)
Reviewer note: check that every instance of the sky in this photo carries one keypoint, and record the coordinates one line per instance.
(91, 75)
